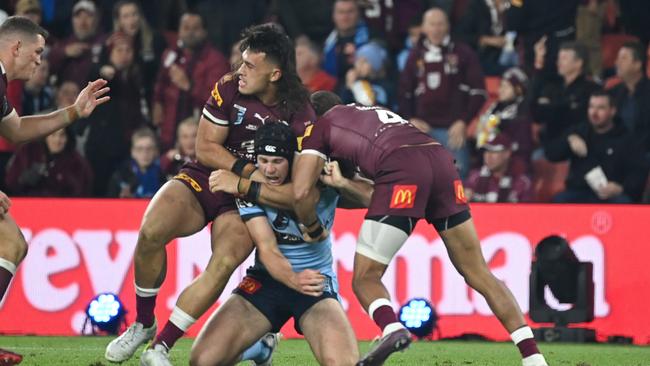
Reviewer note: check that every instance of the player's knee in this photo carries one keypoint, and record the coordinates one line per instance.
(223, 266)
(362, 277)
(15, 249)
(150, 237)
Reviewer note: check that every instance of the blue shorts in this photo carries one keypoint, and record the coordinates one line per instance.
(277, 302)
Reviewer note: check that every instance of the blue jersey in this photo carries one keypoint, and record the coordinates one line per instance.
(301, 255)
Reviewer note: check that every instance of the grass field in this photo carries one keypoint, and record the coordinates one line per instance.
(84, 351)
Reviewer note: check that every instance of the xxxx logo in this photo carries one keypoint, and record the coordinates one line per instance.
(403, 196)
(190, 180)
(459, 192)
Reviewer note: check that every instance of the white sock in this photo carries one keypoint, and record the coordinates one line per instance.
(534, 360)
(181, 319)
(390, 328)
(145, 292)
(521, 334)
(9, 266)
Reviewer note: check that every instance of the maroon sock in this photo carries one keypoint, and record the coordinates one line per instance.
(383, 316)
(169, 335)
(527, 347)
(5, 278)
(144, 307)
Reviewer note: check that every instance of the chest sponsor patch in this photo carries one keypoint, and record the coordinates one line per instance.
(403, 196)
(250, 285)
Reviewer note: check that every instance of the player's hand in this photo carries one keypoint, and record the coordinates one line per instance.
(308, 282)
(577, 145)
(457, 135)
(179, 77)
(309, 239)
(332, 175)
(91, 96)
(5, 203)
(223, 181)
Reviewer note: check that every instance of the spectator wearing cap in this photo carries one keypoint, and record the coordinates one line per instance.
(147, 43)
(189, 70)
(308, 57)
(72, 57)
(604, 158)
(496, 180)
(509, 114)
(111, 126)
(442, 87)
(559, 100)
(632, 95)
(30, 9)
(350, 32)
(366, 82)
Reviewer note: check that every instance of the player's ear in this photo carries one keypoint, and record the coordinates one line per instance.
(276, 74)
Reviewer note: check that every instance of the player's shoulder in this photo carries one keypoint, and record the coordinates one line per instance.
(225, 89)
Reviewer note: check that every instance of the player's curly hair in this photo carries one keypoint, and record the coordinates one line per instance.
(278, 47)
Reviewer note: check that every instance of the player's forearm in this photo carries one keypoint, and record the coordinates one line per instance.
(36, 127)
(356, 193)
(214, 155)
(277, 196)
(278, 266)
(305, 207)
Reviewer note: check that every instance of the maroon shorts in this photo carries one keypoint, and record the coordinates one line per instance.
(195, 177)
(419, 182)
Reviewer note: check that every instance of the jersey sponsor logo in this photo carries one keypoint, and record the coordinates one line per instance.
(263, 119)
(250, 285)
(307, 134)
(186, 178)
(215, 94)
(240, 114)
(403, 196)
(459, 192)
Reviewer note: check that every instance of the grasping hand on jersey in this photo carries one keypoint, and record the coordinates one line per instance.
(309, 282)
(223, 181)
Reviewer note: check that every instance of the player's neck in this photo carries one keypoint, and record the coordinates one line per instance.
(269, 97)
(6, 68)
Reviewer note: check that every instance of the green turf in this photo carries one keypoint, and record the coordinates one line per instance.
(72, 351)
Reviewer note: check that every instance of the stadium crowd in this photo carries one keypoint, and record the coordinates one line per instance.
(511, 88)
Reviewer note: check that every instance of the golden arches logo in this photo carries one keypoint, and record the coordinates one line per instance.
(403, 196)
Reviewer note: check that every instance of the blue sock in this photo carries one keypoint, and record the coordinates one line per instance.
(258, 352)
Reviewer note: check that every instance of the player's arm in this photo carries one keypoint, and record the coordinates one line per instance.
(308, 282)
(22, 129)
(275, 196)
(305, 175)
(355, 193)
(210, 151)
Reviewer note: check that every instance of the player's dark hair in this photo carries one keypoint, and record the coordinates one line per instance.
(21, 25)
(278, 48)
(323, 101)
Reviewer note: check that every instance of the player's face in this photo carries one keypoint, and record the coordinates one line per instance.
(255, 73)
(129, 19)
(56, 141)
(28, 56)
(274, 168)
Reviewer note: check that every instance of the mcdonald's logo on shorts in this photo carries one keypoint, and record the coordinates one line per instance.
(250, 285)
(459, 192)
(403, 196)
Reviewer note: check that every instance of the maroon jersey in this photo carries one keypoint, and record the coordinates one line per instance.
(6, 107)
(441, 84)
(244, 114)
(363, 135)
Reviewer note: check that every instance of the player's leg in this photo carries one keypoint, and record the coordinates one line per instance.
(173, 212)
(329, 333)
(13, 250)
(232, 328)
(464, 250)
(231, 245)
(379, 240)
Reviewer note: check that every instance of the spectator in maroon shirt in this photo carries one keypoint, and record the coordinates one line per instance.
(442, 87)
(496, 180)
(50, 168)
(188, 70)
(72, 58)
(509, 114)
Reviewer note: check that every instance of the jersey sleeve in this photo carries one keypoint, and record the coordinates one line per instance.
(248, 210)
(217, 107)
(314, 141)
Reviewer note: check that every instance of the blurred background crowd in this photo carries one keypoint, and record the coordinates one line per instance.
(540, 101)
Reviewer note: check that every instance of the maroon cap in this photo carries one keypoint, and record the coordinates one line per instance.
(500, 142)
